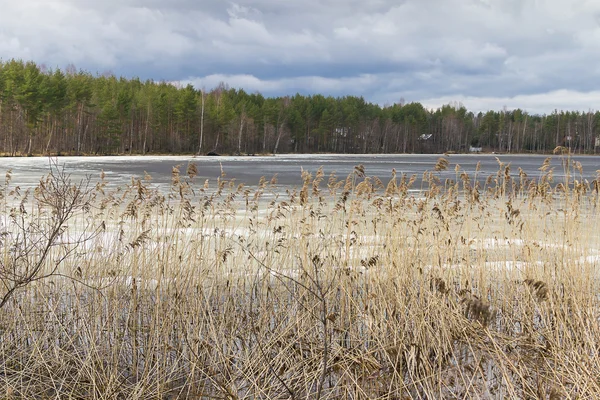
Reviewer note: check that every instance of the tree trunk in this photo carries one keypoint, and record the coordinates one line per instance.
(242, 121)
(146, 129)
(201, 123)
(557, 130)
(4, 141)
(84, 133)
(279, 133)
(524, 131)
(131, 128)
(29, 144)
(264, 144)
(52, 127)
(217, 141)
(79, 116)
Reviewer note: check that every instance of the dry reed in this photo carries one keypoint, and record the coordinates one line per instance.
(354, 288)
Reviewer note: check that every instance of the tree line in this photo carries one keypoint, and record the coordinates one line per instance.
(51, 111)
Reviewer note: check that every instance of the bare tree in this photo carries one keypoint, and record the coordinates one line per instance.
(36, 247)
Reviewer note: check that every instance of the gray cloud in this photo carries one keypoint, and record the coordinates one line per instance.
(518, 53)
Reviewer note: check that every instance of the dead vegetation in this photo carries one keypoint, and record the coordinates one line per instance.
(344, 288)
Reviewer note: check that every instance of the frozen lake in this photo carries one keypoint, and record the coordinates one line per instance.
(249, 170)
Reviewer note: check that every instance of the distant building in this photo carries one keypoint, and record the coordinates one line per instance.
(343, 131)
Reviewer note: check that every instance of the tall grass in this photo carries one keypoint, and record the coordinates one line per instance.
(342, 288)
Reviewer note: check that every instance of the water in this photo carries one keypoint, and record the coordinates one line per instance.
(248, 170)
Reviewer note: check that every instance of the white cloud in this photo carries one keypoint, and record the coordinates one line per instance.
(539, 103)
(315, 84)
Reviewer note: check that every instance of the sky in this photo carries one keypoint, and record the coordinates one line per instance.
(537, 55)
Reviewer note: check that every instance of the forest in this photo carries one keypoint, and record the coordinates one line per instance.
(74, 112)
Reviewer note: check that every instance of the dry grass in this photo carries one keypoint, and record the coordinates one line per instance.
(354, 288)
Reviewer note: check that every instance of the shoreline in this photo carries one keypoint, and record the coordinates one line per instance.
(448, 154)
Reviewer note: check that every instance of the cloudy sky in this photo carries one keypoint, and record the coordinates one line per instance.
(534, 54)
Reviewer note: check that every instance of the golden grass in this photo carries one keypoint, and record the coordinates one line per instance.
(354, 288)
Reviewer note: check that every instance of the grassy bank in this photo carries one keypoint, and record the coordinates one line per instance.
(351, 287)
